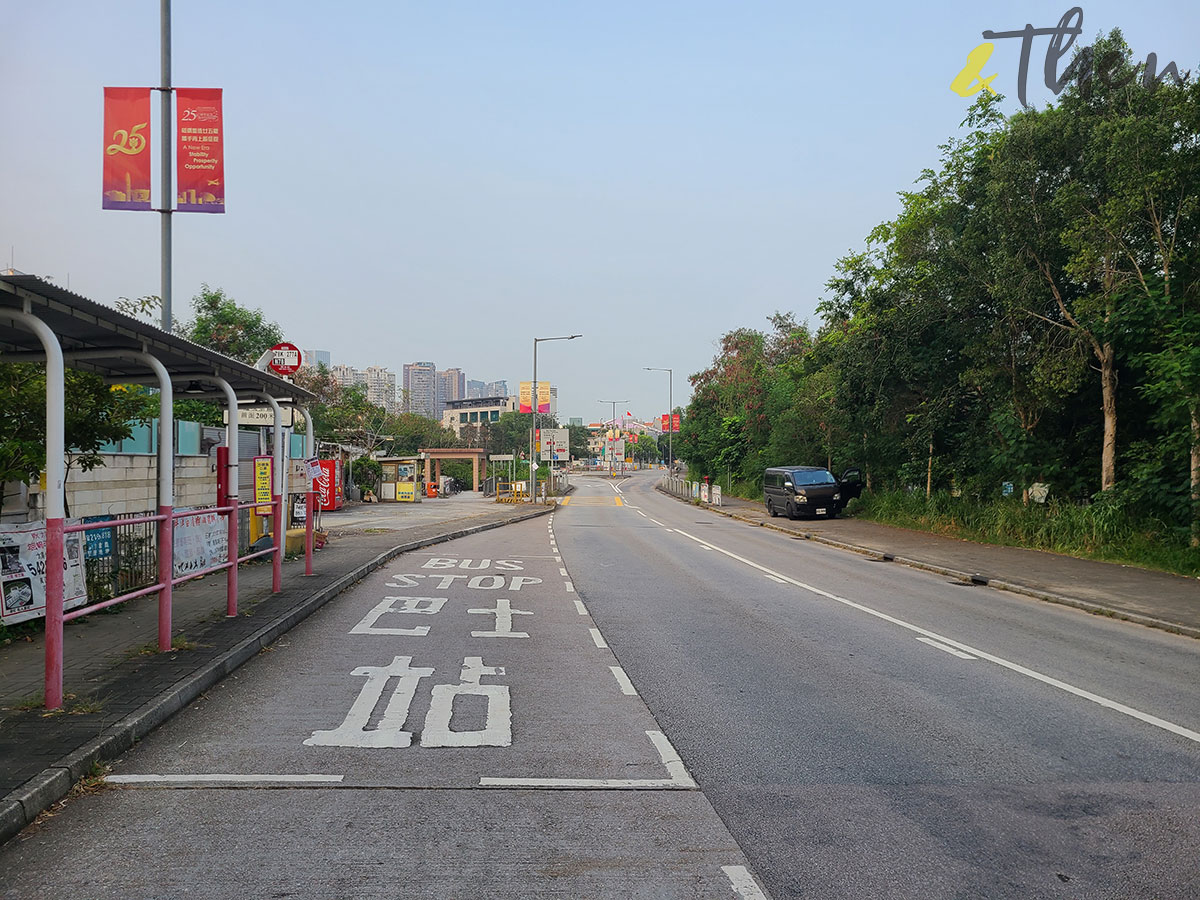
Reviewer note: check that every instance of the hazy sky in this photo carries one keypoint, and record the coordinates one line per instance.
(447, 180)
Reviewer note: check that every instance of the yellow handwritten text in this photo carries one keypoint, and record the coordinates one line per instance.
(969, 81)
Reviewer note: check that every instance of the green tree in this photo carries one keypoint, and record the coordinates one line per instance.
(221, 324)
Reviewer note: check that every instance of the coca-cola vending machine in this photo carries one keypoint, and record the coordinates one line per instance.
(328, 485)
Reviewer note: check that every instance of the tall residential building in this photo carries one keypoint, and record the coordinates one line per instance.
(421, 389)
(495, 389)
(381, 387)
(475, 389)
(379, 381)
(452, 385)
(346, 375)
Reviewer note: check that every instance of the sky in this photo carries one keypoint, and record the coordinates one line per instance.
(447, 180)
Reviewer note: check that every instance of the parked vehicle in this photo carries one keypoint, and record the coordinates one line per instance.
(809, 490)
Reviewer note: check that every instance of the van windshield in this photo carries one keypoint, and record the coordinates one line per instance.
(821, 476)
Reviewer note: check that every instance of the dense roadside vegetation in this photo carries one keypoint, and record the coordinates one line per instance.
(1030, 318)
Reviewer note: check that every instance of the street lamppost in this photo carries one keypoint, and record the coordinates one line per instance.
(533, 408)
(613, 423)
(670, 414)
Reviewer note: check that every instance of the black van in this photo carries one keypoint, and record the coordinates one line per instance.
(809, 490)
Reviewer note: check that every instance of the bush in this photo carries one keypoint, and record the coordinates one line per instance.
(1108, 528)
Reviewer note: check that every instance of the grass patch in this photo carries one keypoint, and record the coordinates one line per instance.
(1105, 530)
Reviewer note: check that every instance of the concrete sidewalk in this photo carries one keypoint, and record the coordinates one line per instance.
(118, 688)
(1157, 599)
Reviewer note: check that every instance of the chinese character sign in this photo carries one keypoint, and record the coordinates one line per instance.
(200, 151)
(126, 181)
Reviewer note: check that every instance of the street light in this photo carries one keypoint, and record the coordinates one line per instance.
(670, 413)
(612, 422)
(533, 408)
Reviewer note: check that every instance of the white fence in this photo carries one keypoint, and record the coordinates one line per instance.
(709, 495)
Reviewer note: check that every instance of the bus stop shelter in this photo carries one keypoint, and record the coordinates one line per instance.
(41, 322)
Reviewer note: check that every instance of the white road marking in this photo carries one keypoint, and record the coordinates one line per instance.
(207, 778)
(951, 650)
(627, 687)
(614, 487)
(497, 729)
(570, 587)
(743, 883)
(562, 572)
(679, 778)
(780, 580)
(598, 638)
(642, 514)
(967, 648)
(655, 521)
(581, 608)
(558, 559)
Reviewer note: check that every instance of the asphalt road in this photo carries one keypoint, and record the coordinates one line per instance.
(867, 730)
(453, 726)
(637, 698)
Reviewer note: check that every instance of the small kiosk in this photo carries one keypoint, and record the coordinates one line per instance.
(400, 479)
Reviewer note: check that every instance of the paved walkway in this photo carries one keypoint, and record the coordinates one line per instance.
(118, 688)
(1140, 595)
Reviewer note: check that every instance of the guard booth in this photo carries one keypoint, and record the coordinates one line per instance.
(400, 479)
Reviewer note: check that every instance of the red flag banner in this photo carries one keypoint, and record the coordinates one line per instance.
(666, 421)
(126, 180)
(200, 151)
(675, 422)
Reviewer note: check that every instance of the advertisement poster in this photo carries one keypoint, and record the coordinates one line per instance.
(328, 485)
(526, 397)
(264, 468)
(200, 542)
(23, 571)
(200, 151)
(543, 398)
(126, 179)
(675, 422)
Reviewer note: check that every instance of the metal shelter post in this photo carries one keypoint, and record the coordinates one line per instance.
(229, 478)
(277, 498)
(56, 471)
(310, 512)
(166, 495)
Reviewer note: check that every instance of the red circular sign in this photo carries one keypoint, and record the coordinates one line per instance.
(285, 358)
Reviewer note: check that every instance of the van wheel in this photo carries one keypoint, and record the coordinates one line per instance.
(791, 510)
(771, 510)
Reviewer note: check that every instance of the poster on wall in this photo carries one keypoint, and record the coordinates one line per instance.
(264, 471)
(200, 542)
(23, 571)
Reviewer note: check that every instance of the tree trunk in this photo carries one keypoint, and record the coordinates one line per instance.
(1108, 393)
(1195, 410)
(929, 473)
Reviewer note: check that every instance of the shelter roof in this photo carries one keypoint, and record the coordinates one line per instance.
(83, 324)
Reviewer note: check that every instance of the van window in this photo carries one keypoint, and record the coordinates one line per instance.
(821, 476)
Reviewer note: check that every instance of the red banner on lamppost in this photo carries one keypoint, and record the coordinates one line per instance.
(126, 180)
(200, 151)
(675, 422)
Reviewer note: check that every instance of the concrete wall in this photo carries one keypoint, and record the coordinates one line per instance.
(126, 483)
